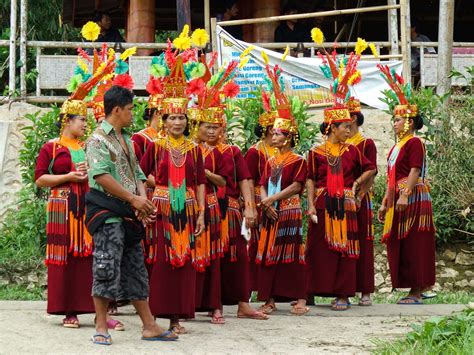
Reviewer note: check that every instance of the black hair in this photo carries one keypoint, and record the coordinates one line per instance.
(117, 96)
(415, 23)
(229, 3)
(186, 130)
(359, 119)
(99, 15)
(59, 122)
(289, 7)
(324, 126)
(148, 113)
(417, 122)
(258, 130)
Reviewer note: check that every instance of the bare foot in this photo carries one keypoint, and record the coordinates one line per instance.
(155, 330)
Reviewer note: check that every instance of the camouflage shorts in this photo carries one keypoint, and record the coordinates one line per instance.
(118, 269)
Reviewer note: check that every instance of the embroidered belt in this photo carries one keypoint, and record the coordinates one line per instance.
(234, 203)
(61, 192)
(211, 199)
(163, 193)
(347, 192)
(290, 203)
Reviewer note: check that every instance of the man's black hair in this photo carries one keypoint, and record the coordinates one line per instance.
(289, 7)
(117, 96)
(99, 15)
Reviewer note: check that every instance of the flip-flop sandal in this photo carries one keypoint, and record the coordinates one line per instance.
(267, 308)
(116, 325)
(74, 324)
(256, 316)
(365, 303)
(339, 306)
(102, 335)
(427, 296)
(414, 301)
(218, 320)
(299, 311)
(178, 330)
(165, 336)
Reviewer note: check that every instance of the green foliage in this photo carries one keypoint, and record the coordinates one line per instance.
(438, 335)
(23, 232)
(41, 129)
(450, 151)
(21, 293)
(242, 117)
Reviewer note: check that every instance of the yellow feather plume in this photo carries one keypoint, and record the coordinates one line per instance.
(341, 70)
(361, 46)
(111, 53)
(265, 57)
(285, 54)
(82, 65)
(185, 31)
(354, 77)
(200, 37)
(243, 62)
(247, 51)
(373, 50)
(317, 35)
(128, 53)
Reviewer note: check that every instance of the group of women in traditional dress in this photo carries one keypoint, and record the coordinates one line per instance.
(227, 224)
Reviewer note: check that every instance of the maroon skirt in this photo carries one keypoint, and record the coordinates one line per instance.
(328, 272)
(172, 290)
(70, 287)
(208, 287)
(365, 263)
(281, 281)
(253, 268)
(412, 259)
(235, 282)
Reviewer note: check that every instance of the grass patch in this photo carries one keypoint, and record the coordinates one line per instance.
(438, 335)
(21, 293)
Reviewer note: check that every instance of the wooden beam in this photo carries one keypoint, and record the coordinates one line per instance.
(12, 62)
(445, 45)
(183, 8)
(405, 38)
(393, 28)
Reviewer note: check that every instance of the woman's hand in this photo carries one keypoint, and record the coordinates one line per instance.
(200, 226)
(355, 188)
(267, 202)
(77, 176)
(272, 213)
(402, 203)
(250, 217)
(312, 214)
(150, 182)
(82, 167)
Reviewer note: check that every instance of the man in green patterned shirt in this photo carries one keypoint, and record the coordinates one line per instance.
(117, 206)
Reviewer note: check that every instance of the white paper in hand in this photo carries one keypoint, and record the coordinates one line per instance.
(245, 231)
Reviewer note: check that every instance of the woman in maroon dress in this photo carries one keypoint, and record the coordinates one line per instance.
(208, 283)
(256, 159)
(280, 256)
(61, 166)
(334, 181)
(175, 247)
(406, 208)
(365, 263)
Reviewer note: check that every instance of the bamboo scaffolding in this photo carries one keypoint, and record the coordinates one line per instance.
(308, 15)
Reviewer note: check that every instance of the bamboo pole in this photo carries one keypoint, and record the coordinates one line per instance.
(207, 16)
(445, 47)
(405, 38)
(23, 31)
(38, 57)
(393, 28)
(308, 15)
(12, 61)
(214, 38)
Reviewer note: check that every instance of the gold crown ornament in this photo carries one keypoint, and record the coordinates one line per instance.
(408, 110)
(336, 114)
(74, 107)
(353, 105)
(267, 118)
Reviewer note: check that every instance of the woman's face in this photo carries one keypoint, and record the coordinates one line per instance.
(399, 124)
(77, 126)
(279, 139)
(176, 124)
(341, 132)
(212, 132)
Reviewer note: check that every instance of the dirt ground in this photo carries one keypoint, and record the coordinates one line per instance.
(26, 328)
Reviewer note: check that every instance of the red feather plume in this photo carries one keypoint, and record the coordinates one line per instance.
(124, 80)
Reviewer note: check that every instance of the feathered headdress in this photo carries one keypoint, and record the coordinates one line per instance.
(267, 118)
(399, 98)
(178, 68)
(212, 89)
(285, 120)
(342, 70)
